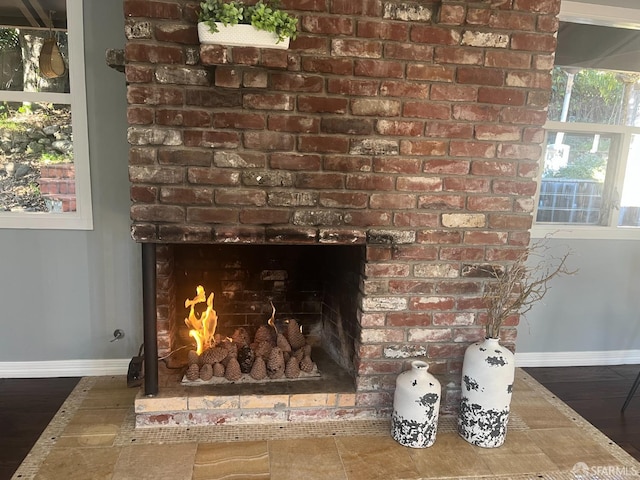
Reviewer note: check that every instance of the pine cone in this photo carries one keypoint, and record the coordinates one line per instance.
(246, 357)
(265, 334)
(214, 355)
(286, 356)
(263, 350)
(206, 372)
(275, 365)
(240, 337)
(282, 343)
(299, 354)
(218, 370)
(233, 372)
(292, 370)
(193, 358)
(295, 336)
(307, 365)
(193, 372)
(307, 350)
(259, 369)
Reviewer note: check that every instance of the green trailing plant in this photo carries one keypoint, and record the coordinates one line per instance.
(263, 16)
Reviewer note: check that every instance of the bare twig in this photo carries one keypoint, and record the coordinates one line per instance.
(518, 287)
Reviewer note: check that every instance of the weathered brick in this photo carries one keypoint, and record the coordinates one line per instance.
(463, 220)
(323, 144)
(292, 161)
(347, 126)
(480, 76)
(355, 48)
(501, 96)
(337, 66)
(408, 51)
(183, 156)
(485, 39)
(460, 148)
(152, 9)
(373, 147)
(268, 141)
(139, 52)
(458, 55)
(453, 93)
(376, 107)
(213, 176)
(449, 130)
(296, 82)
(187, 118)
(419, 184)
(433, 73)
(391, 88)
(426, 110)
(239, 120)
(271, 101)
(392, 201)
(494, 169)
(423, 147)
(441, 202)
(327, 25)
(176, 33)
(396, 165)
(533, 42)
(378, 68)
(343, 200)
(157, 213)
(383, 30)
(507, 59)
(335, 105)
(153, 136)
(186, 195)
(434, 35)
(343, 86)
(320, 180)
(257, 198)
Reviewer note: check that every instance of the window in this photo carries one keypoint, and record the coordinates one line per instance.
(588, 186)
(44, 157)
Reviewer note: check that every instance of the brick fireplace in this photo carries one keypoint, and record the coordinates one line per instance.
(405, 133)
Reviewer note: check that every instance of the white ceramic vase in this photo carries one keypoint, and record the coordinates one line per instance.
(416, 405)
(487, 381)
(240, 35)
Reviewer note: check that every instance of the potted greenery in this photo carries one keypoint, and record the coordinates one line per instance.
(236, 24)
(488, 368)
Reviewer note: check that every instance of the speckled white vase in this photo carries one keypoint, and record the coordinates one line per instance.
(487, 382)
(416, 405)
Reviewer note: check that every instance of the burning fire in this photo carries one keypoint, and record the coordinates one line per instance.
(203, 327)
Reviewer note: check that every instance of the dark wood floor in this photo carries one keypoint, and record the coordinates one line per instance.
(27, 405)
(596, 393)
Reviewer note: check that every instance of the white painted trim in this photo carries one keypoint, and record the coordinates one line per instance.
(577, 359)
(64, 368)
(82, 218)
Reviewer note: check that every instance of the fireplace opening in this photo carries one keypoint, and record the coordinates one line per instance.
(259, 292)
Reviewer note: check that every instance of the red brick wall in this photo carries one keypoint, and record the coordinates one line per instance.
(412, 127)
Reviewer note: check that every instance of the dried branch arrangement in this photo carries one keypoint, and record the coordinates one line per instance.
(518, 287)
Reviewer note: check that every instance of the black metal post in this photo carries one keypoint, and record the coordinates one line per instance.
(150, 328)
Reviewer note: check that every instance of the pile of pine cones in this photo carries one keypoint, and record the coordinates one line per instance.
(270, 355)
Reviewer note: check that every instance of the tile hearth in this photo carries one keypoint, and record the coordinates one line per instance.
(94, 436)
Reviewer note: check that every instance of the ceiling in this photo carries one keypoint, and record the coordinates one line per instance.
(34, 13)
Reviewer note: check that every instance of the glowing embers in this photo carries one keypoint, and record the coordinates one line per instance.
(277, 350)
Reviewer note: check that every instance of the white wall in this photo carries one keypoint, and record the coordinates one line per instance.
(63, 293)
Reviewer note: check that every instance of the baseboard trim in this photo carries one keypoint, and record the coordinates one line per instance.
(577, 359)
(64, 368)
(89, 368)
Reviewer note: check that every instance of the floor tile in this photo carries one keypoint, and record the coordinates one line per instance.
(507, 463)
(153, 462)
(79, 464)
(515, 443)
(309, 459)
(232, 460)
(568, 446)
(375, 458)
(96, 422)
(450, 455)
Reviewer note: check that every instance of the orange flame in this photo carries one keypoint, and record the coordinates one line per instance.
(203, 327)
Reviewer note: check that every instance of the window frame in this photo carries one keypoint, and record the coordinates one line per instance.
(617, 17)
(82, 218)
